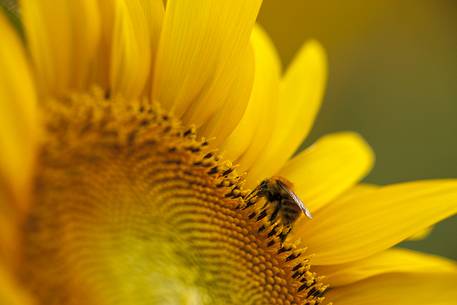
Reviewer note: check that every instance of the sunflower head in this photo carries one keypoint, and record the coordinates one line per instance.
(132, 194)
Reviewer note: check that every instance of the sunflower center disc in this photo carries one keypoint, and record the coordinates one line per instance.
(130, 208)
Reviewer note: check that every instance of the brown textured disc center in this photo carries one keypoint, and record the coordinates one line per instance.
(132, 208)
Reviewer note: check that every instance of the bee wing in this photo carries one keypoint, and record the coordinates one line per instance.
(296, 199)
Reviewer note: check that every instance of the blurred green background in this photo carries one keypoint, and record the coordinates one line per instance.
(392, 78)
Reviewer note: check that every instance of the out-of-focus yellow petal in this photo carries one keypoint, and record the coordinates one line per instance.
(18, 117)
(301, 94)
(358, 227)
(10, 292)
(62, 37)
(224, 121)
(137, 25)
(199, 54)
(404, 289)
(252, 132)
(328, 168)
(389, 261)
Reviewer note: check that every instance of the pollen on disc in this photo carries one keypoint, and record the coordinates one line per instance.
(133, 208)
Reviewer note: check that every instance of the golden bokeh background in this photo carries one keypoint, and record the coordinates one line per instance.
(392, 78)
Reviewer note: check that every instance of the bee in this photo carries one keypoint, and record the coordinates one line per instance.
(281, 199)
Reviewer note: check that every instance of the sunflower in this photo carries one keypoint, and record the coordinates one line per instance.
(133, 139)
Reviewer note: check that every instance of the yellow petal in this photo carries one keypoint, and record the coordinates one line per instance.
(200, 50)
(101, 69)
(134, 43)
(404, 289)
(360, 189)
(62, 37)
(389, 261)
(155, 12)
(224, 121)
(301, 94)
(355, 228)
(18, 116)
(10, 292)
(252, 132)
(9, 231)
(364, 188)
(422, 234)
(328, 168)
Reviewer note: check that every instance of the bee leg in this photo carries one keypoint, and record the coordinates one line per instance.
(285, 233)
(250, 199)
(275, 213)
(252, 193)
